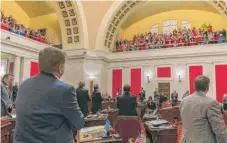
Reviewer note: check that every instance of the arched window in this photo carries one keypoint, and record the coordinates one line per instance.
(168, 26)
(154, 29)
(186, 24)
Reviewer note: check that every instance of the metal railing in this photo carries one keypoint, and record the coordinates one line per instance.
(139, 47)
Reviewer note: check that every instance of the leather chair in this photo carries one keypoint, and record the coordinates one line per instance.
(128, 127)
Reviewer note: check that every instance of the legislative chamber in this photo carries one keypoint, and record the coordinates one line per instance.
(113, 71)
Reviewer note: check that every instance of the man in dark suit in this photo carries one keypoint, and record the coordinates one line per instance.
(96, 100)
(174, 96)
(142, 94)
(46, 108)
(127, 103)
(15, 90)
(83, 98)
(6, 102)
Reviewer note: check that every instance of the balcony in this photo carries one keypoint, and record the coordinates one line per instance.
(21, 40)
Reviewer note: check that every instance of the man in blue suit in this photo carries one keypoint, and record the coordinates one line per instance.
(46, 108)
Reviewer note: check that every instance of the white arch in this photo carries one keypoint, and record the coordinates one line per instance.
(104, 24)
(82, 24)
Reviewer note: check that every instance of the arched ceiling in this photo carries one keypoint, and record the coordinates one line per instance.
(154, 7)
(36, 8)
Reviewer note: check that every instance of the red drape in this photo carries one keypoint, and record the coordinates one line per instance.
(116, 80)
(34, 69)
(221, 81)
(194, 71)
(164, 72)
(135, 81)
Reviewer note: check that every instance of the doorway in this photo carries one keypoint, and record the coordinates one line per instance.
(164, 87)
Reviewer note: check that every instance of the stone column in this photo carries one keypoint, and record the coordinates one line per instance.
(16, 69)
(25, 68)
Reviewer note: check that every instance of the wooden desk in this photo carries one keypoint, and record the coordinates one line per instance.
(149, 117)
(94, 135)
(142, 108)
(93, 120)
(6, 132)
(170, 113)
(161, 134)
(112, 105)
(112, 115)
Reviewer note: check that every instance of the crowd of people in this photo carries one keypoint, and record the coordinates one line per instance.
(178, 38)
(10, 24)
(60, 105)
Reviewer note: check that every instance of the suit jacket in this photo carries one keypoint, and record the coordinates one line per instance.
(174, 97)
(142, 95)
(46, 111)
(15, 90)
(162, 99)
(127, 104)
(83, 98)
(202, 120)
(5, 100)
(96, 101)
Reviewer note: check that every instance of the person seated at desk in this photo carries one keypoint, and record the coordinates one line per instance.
(127, 103)
(96, 100)
(151, 106)
(225, 102)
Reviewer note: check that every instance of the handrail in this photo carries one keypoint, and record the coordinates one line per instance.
(131, 47)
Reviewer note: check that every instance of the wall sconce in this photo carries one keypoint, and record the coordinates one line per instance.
(148, 79)
(91, 77)
(179, 79)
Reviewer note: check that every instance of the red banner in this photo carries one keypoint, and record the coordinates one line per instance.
(194, 71)
(34, 69)
(221, 81)
(164, 72)
(116, 80)
(135, 81)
